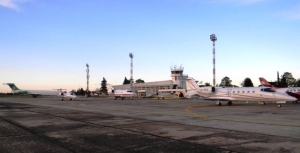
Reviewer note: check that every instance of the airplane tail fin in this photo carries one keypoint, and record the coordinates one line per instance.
(109, 88)
(264, 82)
(12, 86)
(60, 91)
(191, 84)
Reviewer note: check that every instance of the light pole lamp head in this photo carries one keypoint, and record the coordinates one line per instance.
(131, 55)
(213, 37)
(87, 65)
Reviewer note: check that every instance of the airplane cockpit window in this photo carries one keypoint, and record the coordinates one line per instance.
(253, 91)
(267, 90)
(238, 92)
(248, 91)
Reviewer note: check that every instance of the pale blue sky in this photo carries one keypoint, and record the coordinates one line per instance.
(46, 44)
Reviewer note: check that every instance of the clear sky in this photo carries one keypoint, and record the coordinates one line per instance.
(46, 44)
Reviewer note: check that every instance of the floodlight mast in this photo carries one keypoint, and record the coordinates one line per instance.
(88, 77)
(131, 71)
(213, 38)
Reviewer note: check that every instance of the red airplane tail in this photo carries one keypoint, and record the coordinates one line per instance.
(264, 82)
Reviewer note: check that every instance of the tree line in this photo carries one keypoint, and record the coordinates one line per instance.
(286, 80)
(103, 88)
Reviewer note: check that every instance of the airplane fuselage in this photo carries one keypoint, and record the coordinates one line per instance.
(37, 92)
(123, 94)
(244, 94)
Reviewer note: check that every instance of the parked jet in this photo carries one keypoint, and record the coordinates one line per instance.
(34, 93)
(292, 91)
(259, 94)
(67, 95)
(120, 93)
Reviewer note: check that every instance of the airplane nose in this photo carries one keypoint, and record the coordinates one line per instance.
(290, 98)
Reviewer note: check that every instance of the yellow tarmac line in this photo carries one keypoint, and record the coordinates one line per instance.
(200, 116)
(188, 109)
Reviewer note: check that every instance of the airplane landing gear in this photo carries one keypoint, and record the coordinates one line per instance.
(62, 99)
(229, 103)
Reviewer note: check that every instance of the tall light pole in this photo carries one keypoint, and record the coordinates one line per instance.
(213, 38)
(87, 77)
(131, 71)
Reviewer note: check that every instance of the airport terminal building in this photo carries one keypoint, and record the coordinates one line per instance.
(178, 82)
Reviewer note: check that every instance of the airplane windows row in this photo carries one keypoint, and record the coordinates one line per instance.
(293, 90)
(242, 92)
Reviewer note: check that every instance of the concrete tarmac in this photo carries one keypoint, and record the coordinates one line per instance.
(145, 125)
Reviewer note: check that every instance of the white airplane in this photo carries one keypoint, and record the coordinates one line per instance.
(259, 94)
(292, 91)
(120, 93)
(34, 93)
(67, 95)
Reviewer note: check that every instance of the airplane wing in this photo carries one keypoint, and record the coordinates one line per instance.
(220, 98)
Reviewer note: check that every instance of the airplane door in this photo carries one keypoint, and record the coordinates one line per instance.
(229, 92)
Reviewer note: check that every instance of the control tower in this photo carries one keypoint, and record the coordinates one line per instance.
(178, 77)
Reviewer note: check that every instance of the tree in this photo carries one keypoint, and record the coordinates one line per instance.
(297, 84)
(287, 80)
(207, 84)
(247, 83)
(80, 91)
(126, 81)
(226, 81)
(139, 81)
(103, 86)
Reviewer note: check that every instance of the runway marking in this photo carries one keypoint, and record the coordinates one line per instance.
(188, 109)
(245, 120)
